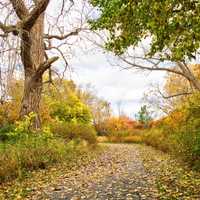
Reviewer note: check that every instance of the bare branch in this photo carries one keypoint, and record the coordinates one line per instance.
(46, 65)
(7, 29)
(62, 37)
(3, 35)
(20, 8)
(175, 95)
(133, 65)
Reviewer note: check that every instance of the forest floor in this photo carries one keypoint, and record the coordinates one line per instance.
(118, 172)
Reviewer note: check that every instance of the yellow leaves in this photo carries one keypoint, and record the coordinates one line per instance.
(9, 112)
(174, 180)
(63, 93)
(176, 84)
(174, 119)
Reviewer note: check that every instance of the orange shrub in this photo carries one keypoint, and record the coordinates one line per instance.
(118, 126)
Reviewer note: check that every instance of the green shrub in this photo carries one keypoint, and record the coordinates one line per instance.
(159, 139)
(188, 146)
(70, 131)
(25, 150)
(19, 130)
(71, 110)
(33, 152)
(184, 143)
(5, 130)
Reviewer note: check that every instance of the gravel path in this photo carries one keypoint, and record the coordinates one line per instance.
(117, 174)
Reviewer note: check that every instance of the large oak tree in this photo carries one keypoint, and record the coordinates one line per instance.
(25, 21)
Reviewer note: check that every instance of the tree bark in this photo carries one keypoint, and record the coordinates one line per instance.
(31, 99)
(189, 75)
(32, 55)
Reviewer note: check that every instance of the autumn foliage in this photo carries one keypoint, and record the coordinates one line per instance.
(120, 129)
(178, 132)
(67, 125)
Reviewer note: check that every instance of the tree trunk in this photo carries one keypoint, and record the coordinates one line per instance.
(189, 75)
(31, 98)
(32, 55)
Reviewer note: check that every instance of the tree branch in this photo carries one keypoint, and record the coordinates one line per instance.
(34, 14)
(62, 37)
(20, 8)
(46, 65)
(189, 75)
(7, 29)
(175, 95)
(133, 65)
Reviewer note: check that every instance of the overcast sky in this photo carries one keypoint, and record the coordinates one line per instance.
(112, 83)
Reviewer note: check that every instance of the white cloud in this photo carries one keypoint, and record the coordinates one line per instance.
(113, 84)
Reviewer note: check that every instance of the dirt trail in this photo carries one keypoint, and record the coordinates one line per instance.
(117, 174)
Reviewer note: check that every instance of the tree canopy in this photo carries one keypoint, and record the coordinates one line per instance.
(172, 25)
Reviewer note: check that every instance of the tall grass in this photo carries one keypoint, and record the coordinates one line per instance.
(22, 150)
(31, 153)
(70, 131)
(183, 143)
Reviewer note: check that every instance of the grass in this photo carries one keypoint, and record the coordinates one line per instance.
(23, 150)
(34, 152)
(120, 139)
(22, 188)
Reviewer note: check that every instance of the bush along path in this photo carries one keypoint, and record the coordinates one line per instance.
(120, 171)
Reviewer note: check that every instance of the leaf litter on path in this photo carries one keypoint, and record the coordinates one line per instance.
(117, 172)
